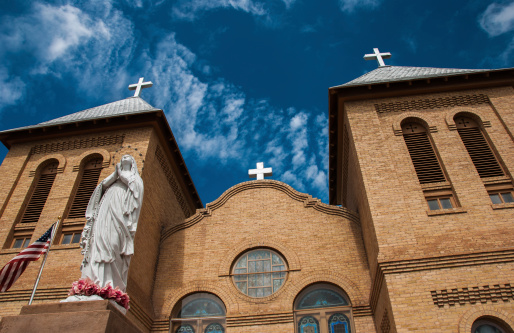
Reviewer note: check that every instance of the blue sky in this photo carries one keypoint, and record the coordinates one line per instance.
(241, 81)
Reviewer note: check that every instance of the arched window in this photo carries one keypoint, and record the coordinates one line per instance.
(89, 176)
(478, 149)
(421, 150)
(199, 313)
(484, 159)
(427, 165)
(259, 272)
(487, 325)
(88, 180)
(39, 194)
(323, 308)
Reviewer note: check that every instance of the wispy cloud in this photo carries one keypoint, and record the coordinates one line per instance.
(498, 19)
(190, 9)
(65, 39)
(349, 6)
(11, 88)
(212, 119)
(216, 120)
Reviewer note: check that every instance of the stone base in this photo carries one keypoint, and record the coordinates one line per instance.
(91, 316)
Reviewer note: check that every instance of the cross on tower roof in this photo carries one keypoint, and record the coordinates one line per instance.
(260, 172)
(379, 56)
(140, 85)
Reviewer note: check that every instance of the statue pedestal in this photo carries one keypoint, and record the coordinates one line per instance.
(91, 316)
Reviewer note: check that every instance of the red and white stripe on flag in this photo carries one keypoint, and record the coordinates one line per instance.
(16, 266)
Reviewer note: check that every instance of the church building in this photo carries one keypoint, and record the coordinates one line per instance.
(418, 235)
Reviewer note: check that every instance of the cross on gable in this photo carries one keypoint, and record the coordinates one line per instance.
(378, 56)
(140, 85)
(260, 172)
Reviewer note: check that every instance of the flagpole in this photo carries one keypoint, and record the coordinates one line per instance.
(54, 232)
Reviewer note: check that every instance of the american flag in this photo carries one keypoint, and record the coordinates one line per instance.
(16, 266)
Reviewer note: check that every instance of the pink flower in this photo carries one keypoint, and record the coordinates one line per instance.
(89, 288)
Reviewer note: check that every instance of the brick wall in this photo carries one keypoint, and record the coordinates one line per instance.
(412, 252)
(321, 243)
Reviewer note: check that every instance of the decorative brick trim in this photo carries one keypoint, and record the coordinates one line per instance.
(78, 144)
(137, 311)
(263, 319)
(385, 324)
(475, 114)
(416, 265)
(308, 202)
(161, 325)
(172, 181)
(433, 103)
(196, 287)
(473, 295)
(413, 116)
(84, 157)
(60, 158)
(326, 276)
(42, 294)
(484, 311)
(231, 255)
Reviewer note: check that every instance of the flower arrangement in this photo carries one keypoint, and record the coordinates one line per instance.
(86, 287)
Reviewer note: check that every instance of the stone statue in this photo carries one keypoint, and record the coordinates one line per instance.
(112, 215)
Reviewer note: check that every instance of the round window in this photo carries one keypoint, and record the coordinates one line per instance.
(259, 273)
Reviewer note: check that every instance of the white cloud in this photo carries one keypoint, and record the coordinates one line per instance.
(66, 39)
(498, 19)
(189, 9)
(348, 6)
(212, 119)
(11, 88)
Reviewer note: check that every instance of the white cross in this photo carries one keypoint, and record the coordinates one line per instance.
(260, 172)
(379, 56)
(140, 85)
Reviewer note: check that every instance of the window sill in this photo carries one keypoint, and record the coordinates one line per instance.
(456, 210)
(502, 205)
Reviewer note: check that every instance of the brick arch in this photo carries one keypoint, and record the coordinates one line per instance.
(486, 311)
(349, 287)
(85, 156)
(474, 114)
(39, 163)
(199, 287)
(231, 255)
(398, 120)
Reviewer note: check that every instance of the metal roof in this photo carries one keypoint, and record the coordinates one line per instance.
(131, 105)
(403, 73)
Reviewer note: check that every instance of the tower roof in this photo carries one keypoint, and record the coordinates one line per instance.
(387, 74)
(127, 106)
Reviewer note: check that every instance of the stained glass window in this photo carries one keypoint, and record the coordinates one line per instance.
(323, 307)
(308, 324)
(199, 313)
(338, 323)
(259, 273)
(321, 298)
(214, 328)
(185, 329)
(201, 307)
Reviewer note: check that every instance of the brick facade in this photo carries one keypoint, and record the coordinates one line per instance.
(403, 267)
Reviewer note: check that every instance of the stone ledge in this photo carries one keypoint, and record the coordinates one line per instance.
(81, 317)
(503, 205)
(457, 210)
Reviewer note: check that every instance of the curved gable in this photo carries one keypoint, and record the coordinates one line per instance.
(307, 200)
